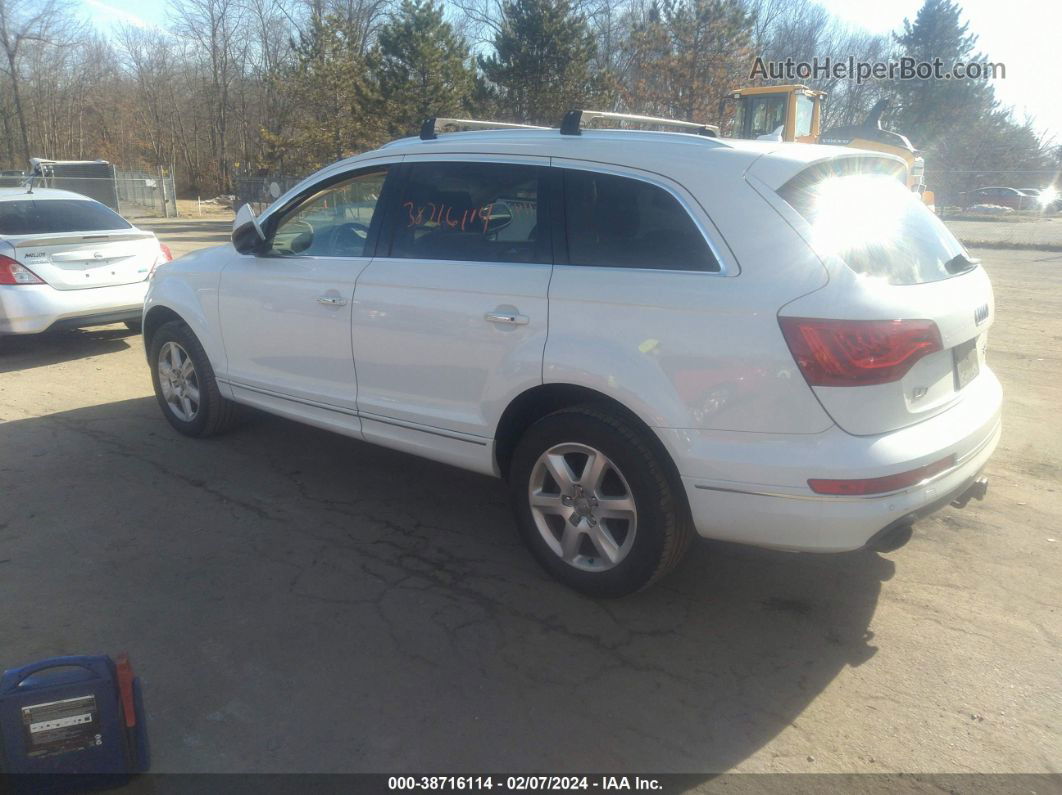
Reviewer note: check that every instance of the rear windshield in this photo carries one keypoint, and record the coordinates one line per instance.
(877, 226)
(45, 216)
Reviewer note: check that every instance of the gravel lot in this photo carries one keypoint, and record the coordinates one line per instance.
(298, 601)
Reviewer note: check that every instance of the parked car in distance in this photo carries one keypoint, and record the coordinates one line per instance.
(67, 261)
(1047, 199)
(1002, 197)
(648, 335)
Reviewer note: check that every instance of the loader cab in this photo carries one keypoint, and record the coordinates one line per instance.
(775, 113)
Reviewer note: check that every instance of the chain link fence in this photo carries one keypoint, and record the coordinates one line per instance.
(133, 194)
(141, 194)
(261, 191)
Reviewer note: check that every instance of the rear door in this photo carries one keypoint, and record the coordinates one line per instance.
(450, 319)
(76, 244)
(898, 334)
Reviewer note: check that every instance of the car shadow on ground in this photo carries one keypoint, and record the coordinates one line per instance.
(27, 351)
(299, 601)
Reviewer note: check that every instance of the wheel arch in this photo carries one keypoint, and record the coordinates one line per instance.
(155, 317)
(535, 403)
(177, 299)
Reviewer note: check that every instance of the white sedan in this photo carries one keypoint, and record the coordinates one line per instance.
(67, 261)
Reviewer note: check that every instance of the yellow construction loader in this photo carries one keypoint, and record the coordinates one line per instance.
(794, 113)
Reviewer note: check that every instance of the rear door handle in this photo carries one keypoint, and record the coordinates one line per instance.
(506, 318)
(331, 300)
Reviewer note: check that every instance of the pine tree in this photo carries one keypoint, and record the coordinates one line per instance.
(424, 68)
(541, 60)
(335, 99)
(929, 110)
(685, 56)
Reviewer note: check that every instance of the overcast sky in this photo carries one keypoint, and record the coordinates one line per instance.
(1026, 35)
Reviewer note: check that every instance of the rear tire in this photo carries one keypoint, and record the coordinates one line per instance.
(185, 385)
(618, 524)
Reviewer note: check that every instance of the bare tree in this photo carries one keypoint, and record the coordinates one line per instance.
(149, 60)
(215, 27)
(24, 23)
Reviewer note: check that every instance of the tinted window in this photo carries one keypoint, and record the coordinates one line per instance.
(44, 216)
(334, 222)
(615, 221)
(480, 212)
(878, 227)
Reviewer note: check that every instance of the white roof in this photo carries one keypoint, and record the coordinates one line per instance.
(13, 194)
(775, 161)
(680, 156)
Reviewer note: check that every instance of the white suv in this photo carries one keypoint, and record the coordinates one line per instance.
(647, 334)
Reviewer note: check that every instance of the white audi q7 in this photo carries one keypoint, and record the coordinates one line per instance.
(648, 335)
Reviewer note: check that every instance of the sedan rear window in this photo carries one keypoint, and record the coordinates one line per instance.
(877, 226)
(48, 216)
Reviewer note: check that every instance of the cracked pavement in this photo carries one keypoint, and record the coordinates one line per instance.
(299, 601)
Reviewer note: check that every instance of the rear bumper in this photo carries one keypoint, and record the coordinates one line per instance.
(766, 500)
(33, 308)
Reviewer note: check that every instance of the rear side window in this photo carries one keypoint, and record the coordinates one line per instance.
(49, 216)
(479, 212)
(627, 223)
(879, 227)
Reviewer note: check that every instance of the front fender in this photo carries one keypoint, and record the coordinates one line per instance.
(189, 287)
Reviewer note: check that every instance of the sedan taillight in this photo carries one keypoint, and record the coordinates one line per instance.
(165, 255)
(14, 272)
(858, 352)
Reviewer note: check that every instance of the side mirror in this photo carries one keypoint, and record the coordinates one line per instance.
(501, 216)
(247, 237)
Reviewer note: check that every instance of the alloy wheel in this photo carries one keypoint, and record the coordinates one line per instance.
(583, 506)
(179, 381)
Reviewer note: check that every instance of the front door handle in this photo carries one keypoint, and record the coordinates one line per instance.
(331, 300)
(506, 318)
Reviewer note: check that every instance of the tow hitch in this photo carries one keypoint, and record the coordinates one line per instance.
(977, 491)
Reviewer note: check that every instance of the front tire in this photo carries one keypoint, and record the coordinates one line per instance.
(184, 383)
(594, 503)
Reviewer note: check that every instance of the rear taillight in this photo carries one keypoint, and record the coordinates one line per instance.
(858, 352)
(14, 272)
(881, 485)
(165, 255)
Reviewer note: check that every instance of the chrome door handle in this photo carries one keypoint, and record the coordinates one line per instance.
(331, 300)
(506, 318)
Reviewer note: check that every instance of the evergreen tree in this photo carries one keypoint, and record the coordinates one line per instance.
(929, 110)
(334, 99)
(686, 55)
(541, 64)
(710, 49)
(424, 68)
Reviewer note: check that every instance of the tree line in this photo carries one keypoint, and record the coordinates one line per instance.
(255, 87)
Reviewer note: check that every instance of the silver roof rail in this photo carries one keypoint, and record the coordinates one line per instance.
(431, 128)
(573, 122)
